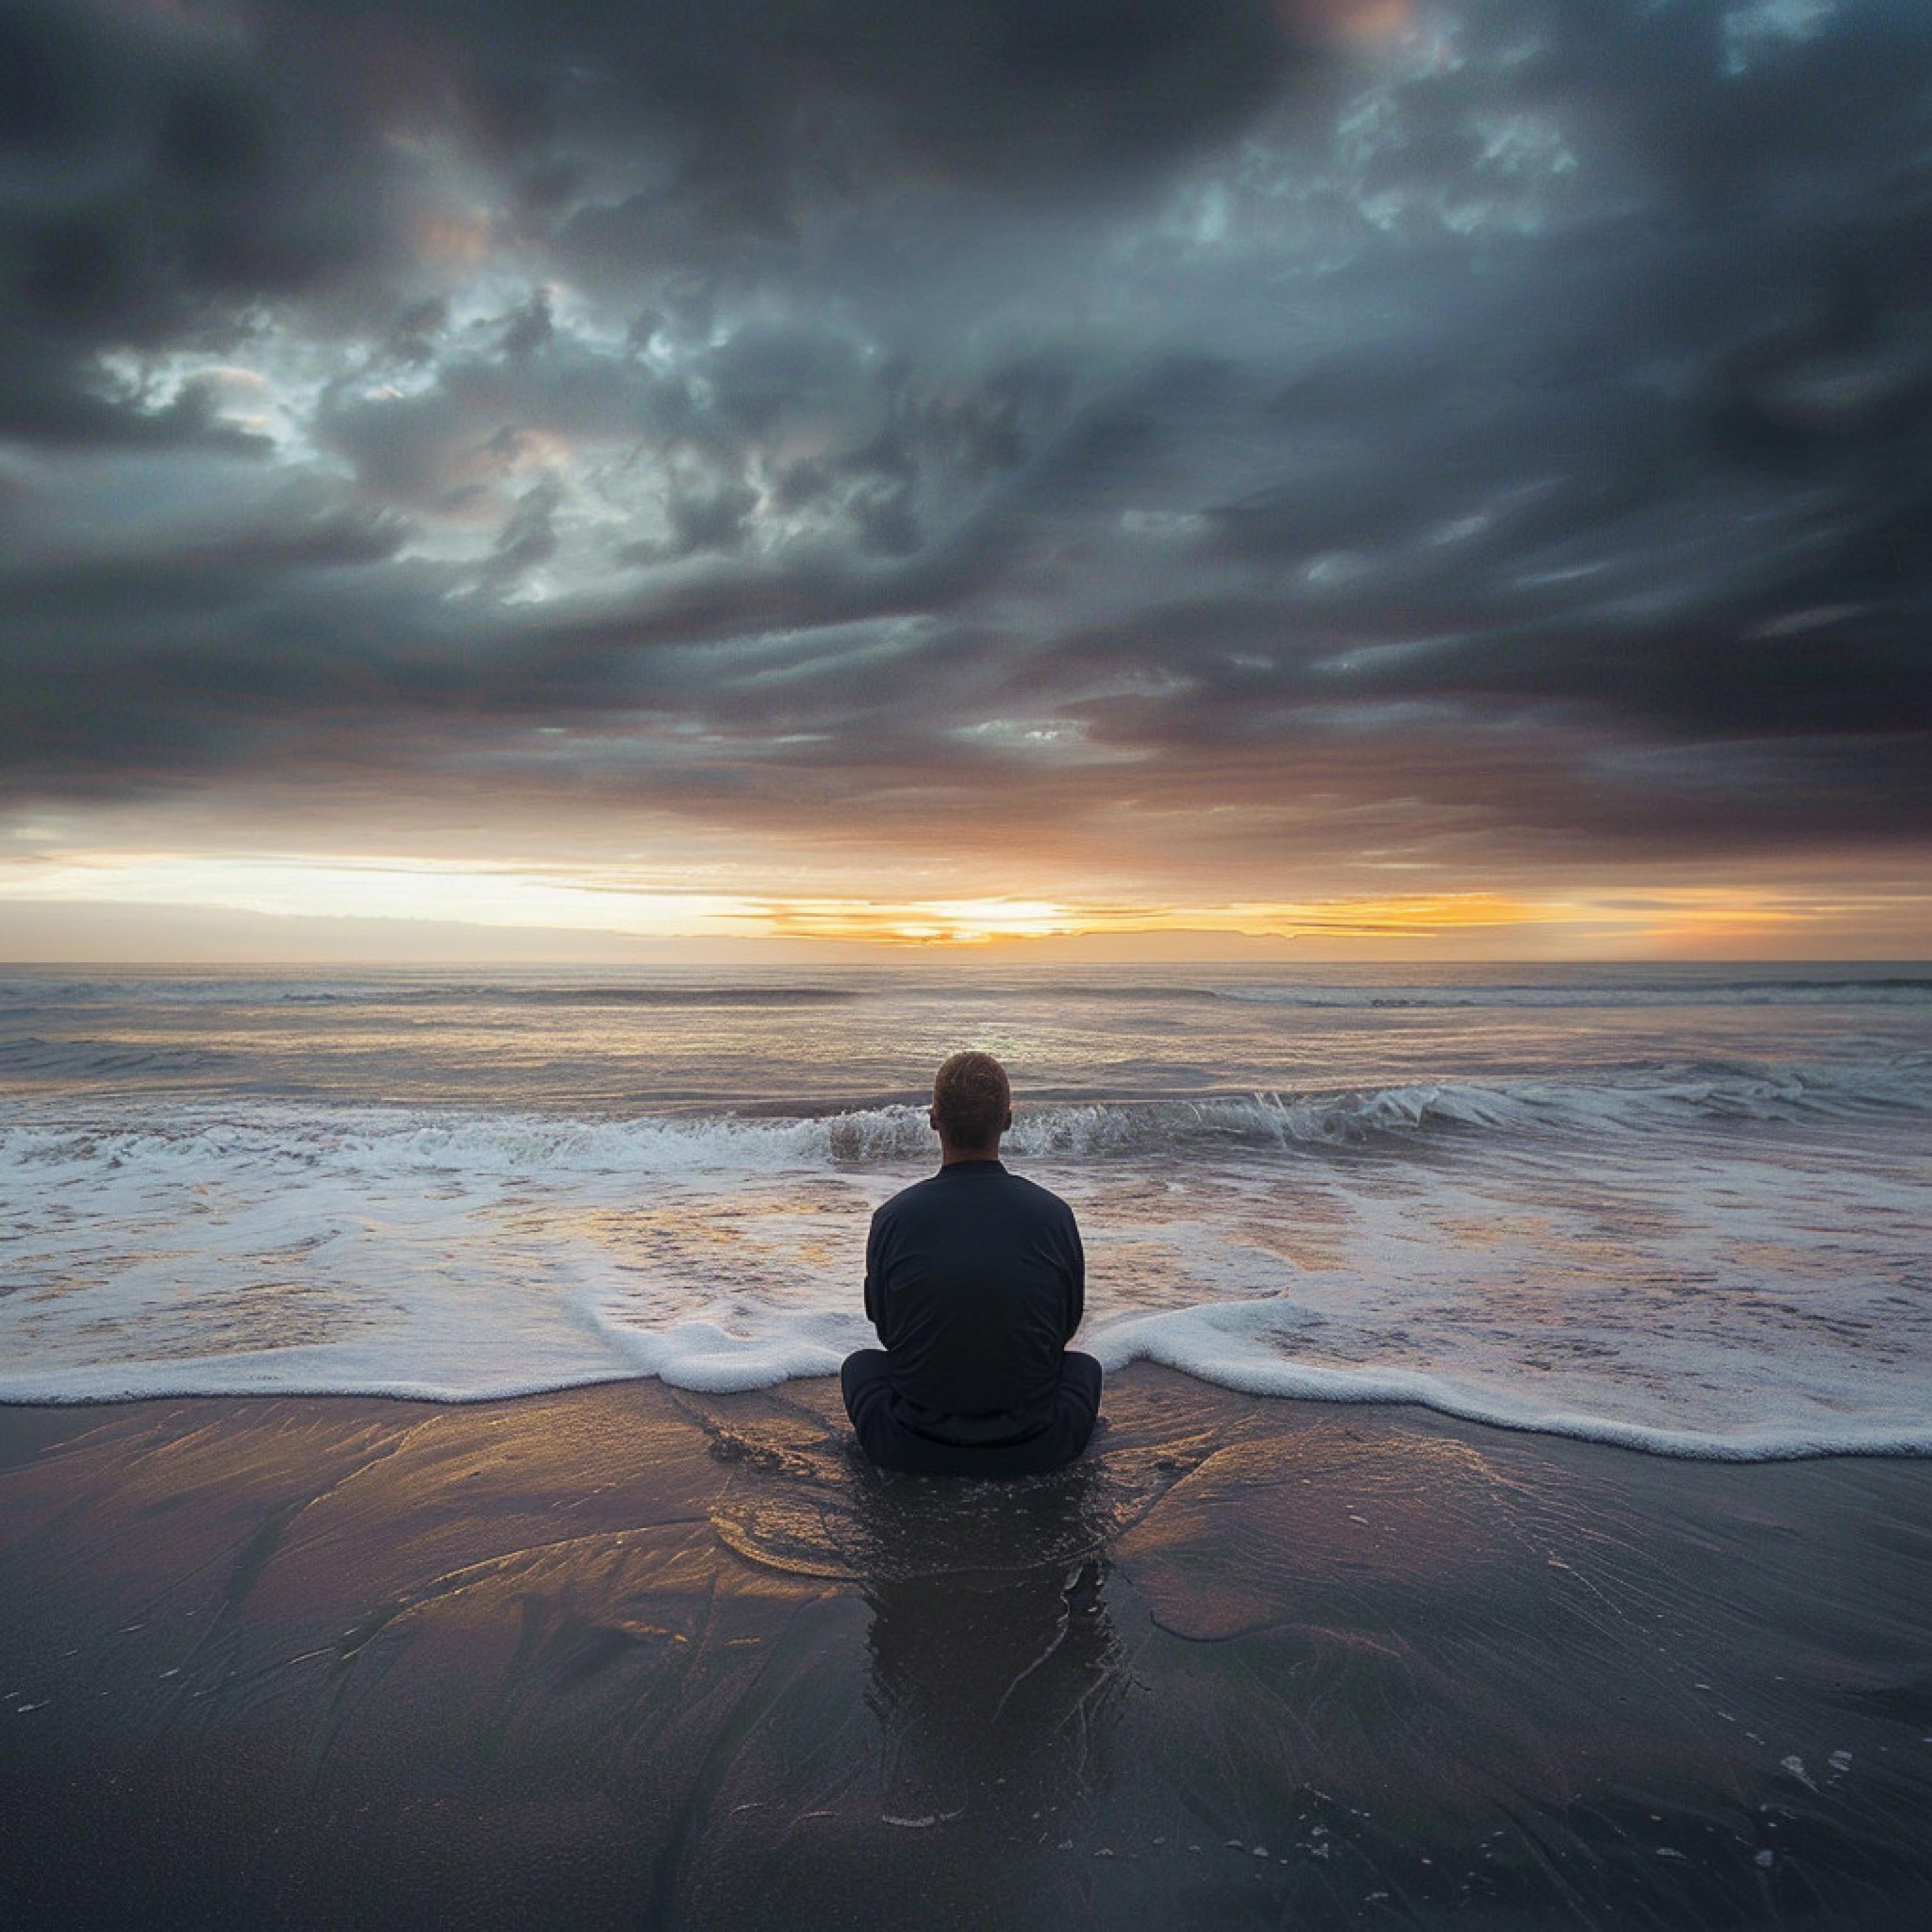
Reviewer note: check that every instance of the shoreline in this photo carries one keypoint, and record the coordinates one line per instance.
(1390, 1394)
(625, 1652)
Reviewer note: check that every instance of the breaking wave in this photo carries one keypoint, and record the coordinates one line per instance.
(360, 1139)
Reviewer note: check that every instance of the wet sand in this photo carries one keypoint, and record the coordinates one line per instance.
(630, 1657)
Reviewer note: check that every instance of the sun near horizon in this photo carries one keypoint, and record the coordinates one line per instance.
(125, 909)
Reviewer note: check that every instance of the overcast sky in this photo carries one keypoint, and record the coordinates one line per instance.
(1337, 466)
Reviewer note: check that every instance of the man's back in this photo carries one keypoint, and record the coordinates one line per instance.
(976, 1281)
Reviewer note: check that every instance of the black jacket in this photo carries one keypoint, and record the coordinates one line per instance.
(975, 1281)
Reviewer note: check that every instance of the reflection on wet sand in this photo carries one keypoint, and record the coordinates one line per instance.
(997, 1681)
(626, 1656)
(995, 1695)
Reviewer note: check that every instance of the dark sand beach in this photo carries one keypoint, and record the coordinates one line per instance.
(628, 1656)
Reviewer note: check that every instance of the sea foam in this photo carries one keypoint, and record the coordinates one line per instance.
(1218, 1345)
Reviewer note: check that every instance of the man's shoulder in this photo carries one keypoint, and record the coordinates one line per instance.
(1043, 1198)
(936, 1190)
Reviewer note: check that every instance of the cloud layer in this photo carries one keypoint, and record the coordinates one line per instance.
(1103, 442)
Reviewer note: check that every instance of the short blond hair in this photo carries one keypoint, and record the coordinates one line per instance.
(972, 1099)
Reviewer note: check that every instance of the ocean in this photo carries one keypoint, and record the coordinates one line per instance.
(1685, 1209)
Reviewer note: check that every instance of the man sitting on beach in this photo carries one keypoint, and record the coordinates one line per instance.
(975, 1280)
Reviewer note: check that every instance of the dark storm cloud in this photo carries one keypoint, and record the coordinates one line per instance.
(1029, 410)
(742, 119)
(159, 175)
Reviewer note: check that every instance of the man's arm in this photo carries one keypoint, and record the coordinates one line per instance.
(875, 1285)
(1076, 1284)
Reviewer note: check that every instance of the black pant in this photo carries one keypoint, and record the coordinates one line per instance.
(886, 1437)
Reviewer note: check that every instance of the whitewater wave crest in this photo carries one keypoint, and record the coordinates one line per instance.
(362, 1140)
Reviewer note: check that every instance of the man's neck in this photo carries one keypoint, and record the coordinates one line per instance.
(952, 1156)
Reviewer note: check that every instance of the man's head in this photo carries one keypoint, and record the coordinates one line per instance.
(972, 1105)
